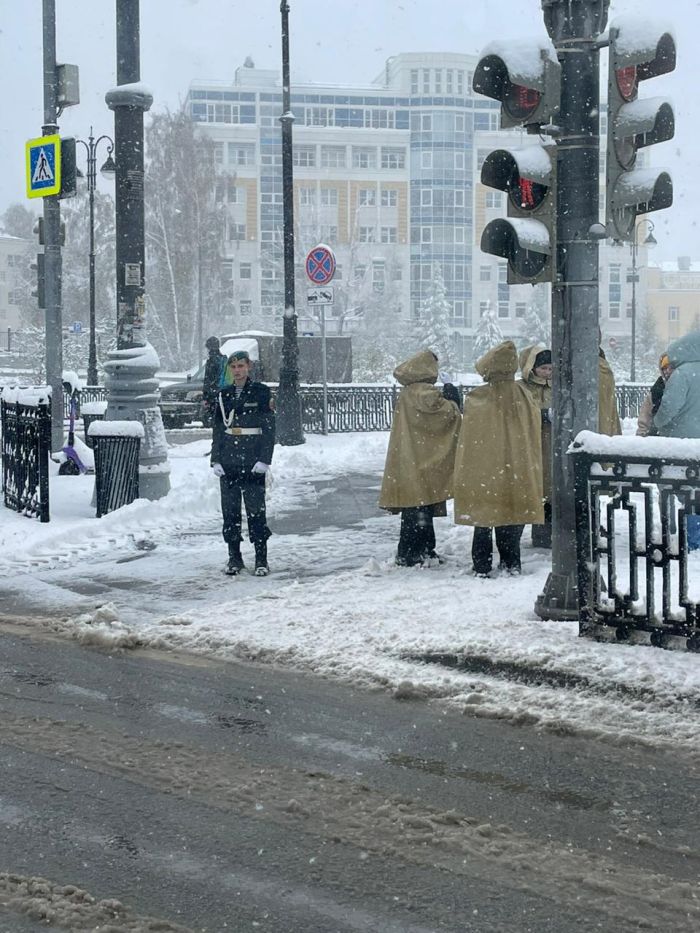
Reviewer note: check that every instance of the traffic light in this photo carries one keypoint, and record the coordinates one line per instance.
(69, 175)
(525, 78)
(38, 229)
(527, 238)
(40, 291)
(636, 55)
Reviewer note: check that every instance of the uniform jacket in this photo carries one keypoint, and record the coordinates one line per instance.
(608, 418)
(679, 411)
(420, 458)
(498, 467)
(541, 392)
(251, 410)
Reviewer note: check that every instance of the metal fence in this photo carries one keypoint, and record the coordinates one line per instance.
(368, 408)
(26, 444)
(632, 539)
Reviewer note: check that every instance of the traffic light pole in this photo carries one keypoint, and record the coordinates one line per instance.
(131, 382)
(52, 237)
(574, 27)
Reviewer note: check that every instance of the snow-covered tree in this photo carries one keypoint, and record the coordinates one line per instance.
(537, 323)
(488, 334)
(432, 327)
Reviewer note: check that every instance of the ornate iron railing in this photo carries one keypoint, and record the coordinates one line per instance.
(366, 408)
(635, 571)
(26, 444)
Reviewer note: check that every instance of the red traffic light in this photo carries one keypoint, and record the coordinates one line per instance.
(521, 102)
(627, 81)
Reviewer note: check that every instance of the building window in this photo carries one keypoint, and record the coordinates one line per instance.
(389, 235)
(460, 83)
(393, 158)
(307, 197)
(426, 159)
(219, 153)
(494, 200)
(367, 235)
(329, 234)
(304, 156)
(614, 309)
(246, 307)
(520, 308)
(426, 234)
(426, 123)
(246, 270)
(459, 197)
(459, 311)
(502, 272)
(426, 197)
(332, 156)
(329, 197)
(380, 119)
(438, 80)
(359, 272)
(364, 158)
(389, 197)
(378, 276)
(483, 308)
(319, 116)
(629, 309)
(459, 123)
(397, 273)
(426, 81)
(673, 313)
(414, 81)
(236, 231)
(367, 197)
(459, 235)
(614, 274)
(503, 310)
(241, 153)
(459, 161)
(449, 81)
(459, 274)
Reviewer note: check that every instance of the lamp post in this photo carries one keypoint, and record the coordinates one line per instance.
(108, 170)
(289, 425)
(649, 241)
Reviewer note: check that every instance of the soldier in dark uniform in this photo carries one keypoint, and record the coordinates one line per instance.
(243, 442)
(212, 379)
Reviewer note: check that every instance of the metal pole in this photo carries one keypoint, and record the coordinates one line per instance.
(633, 368)
(289, 425)
(574, 26)
(132, 386)
(200, 302)
(324, 369)
(91, 182)
(52, 237)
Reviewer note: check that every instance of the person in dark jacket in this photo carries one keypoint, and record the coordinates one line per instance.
(241, 454)
(213, 369)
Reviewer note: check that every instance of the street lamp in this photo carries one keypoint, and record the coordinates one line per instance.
(108, 170)
(649, 241)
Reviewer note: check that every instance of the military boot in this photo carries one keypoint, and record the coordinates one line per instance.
(235, 560)
(261, 568)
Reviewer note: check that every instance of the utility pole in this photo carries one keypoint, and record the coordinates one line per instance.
(289, 426)
(52, 237)
(574, 28)
(132, 386)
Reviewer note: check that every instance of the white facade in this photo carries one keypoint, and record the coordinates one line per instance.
(14, 270)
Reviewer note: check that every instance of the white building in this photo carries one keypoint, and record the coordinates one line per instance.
(14, 270)
(388, 175)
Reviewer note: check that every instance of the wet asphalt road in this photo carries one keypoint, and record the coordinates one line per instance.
(218, 797)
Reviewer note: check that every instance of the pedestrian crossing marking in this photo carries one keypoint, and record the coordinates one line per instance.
(43, 166)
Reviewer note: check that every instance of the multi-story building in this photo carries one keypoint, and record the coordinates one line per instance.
(14, 265)
(388, 175)
(673, 297)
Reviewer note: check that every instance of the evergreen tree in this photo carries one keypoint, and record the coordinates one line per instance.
(433, 330)
(537, 323)
(488, 334)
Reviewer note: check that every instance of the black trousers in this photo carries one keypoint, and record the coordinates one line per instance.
(251, 488)
(507, 542)
(542, 534)
(417, 536)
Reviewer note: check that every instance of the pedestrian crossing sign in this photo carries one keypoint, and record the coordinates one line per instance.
(43, 166)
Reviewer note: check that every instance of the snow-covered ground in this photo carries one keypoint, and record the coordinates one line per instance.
(335, 603)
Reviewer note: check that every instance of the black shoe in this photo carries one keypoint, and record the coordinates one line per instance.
(235, 560)
(233, 568)
(261, 568)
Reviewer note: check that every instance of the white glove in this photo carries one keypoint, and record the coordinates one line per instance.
(218, 470)
(444, 378)
(260, 467)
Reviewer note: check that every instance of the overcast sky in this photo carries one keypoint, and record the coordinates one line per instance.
(344, 41)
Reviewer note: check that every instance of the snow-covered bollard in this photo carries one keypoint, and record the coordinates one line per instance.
(116, 445)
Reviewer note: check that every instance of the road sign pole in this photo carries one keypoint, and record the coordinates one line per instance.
(574, 28)
(52, 236)
(324, 368)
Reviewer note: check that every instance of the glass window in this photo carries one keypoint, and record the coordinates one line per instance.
(458, 310)
(503, 310)
(389, 197)
(304, 156)
(459, 123)
(329, 197)
(364, 158)
(393, 158)
(426, 234)
(460, 83)
(449, 81)
(483, 308)
(246, 270)
(307, 197)
(481, 121)
(414, 81)
(426, 197)
(673, 313)
(389, 235)
(241, 153)
(502, 272)
(246, 307)
(236, 231)
(493, 200)
(614, 274)
(614, 309)
(459, 235)
(459, 198)
(426, 123)
(426, 159)
(329, 234)
(520, 308)
(367, 197)
(359, 272)
(219, 153)
(319, 116)
(332, 156)
(459, 274)
(459, 161)
(438, 80)
(378, 276)
(426, 81)
(367, 235)
(380, 119)
(484, 273)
